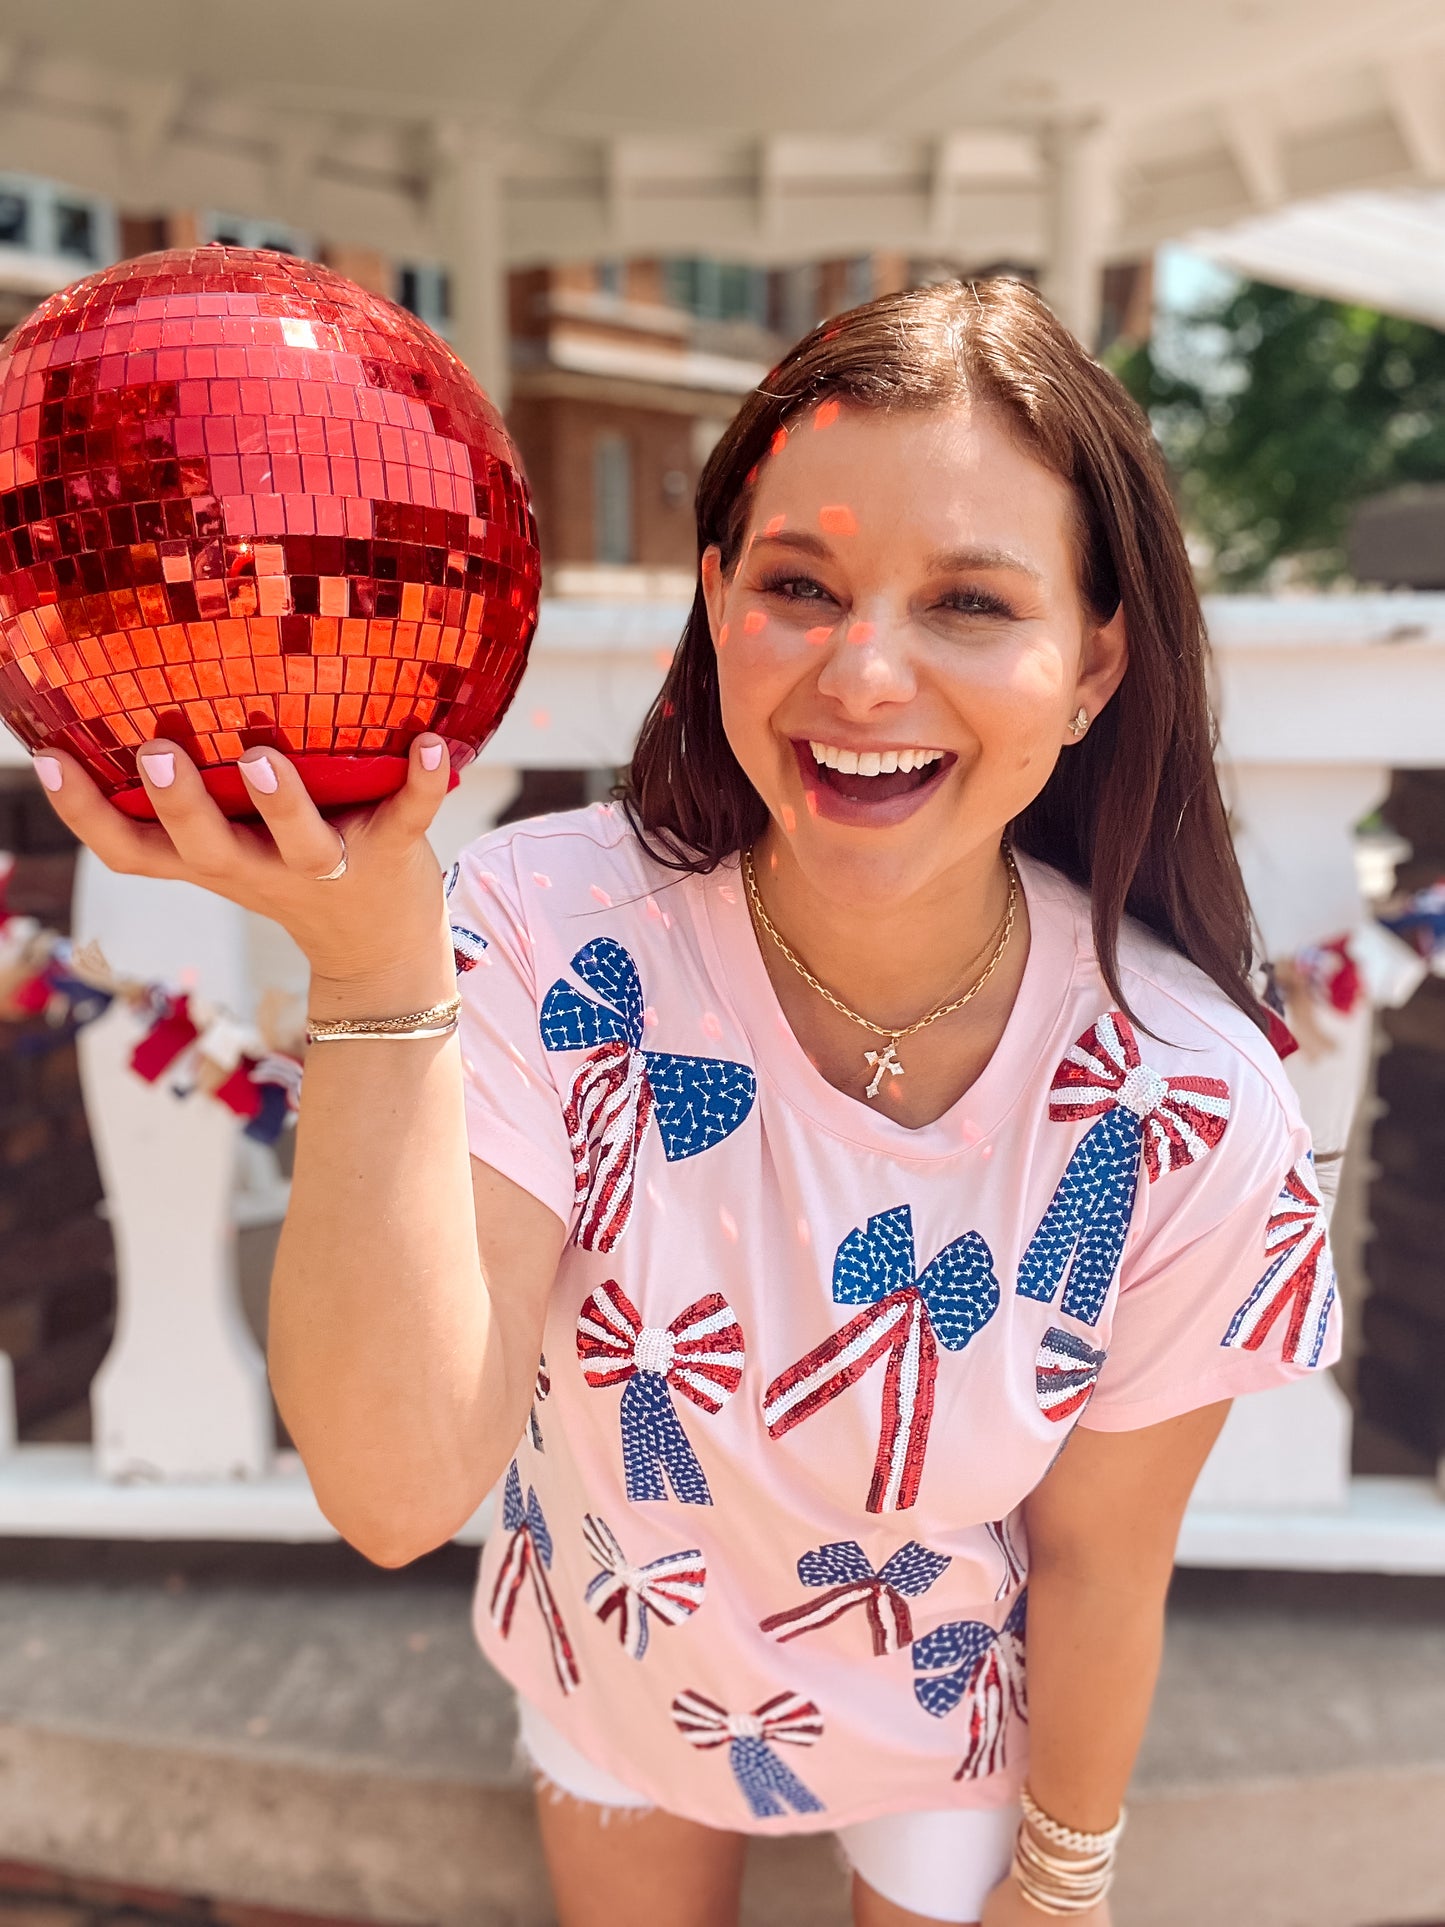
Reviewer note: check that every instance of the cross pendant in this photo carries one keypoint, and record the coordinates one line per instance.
(882, 1060)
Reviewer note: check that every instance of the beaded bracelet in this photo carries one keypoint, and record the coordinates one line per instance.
(1070, 1838)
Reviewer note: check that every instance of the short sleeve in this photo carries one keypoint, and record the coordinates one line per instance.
(514, 1111)
(1231, 1287)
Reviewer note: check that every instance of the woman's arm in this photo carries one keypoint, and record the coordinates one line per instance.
(1102, 1528)
(409, 1289)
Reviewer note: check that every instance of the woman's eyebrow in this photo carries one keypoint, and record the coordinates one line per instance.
(984, 558)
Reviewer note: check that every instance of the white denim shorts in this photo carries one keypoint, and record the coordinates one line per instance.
(939, 1864)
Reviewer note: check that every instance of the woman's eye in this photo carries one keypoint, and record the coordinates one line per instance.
(977, 602)
(797, 588)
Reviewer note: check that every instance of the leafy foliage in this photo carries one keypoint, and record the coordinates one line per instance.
(1280, 411)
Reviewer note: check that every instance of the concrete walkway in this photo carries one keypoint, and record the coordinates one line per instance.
(290, 1728)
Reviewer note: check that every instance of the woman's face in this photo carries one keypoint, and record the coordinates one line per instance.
(902, 643)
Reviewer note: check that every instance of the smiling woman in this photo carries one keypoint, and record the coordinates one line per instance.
(880, 1176)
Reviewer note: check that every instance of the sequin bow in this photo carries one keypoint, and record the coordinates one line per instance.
(672, 1586)
(906, 1319)
(969, 1662)
(851, 1582)
(621, 1088)
(1165, 1123)
(1299, 1279)
(768, 1785)
(529, 1554)
(700, 1354)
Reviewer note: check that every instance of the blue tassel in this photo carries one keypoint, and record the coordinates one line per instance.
(653, 1441)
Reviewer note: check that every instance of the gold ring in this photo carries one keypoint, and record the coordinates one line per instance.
(340, 869)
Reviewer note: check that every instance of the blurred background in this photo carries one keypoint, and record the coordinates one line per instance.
(621, 212)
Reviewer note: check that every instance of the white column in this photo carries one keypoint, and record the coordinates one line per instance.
(1078, 223)
(1294, 830)
(182, 1393)
(467, 219)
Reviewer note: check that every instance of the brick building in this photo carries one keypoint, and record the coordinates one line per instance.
(624, 374)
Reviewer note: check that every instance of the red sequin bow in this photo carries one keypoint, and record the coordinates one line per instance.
(1180, 1118)
(700, 1354)
(529, 1554)
(672, 1586)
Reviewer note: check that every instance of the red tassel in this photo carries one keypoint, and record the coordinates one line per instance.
(1280, 1035)
(240, 1092)
(164, 1042)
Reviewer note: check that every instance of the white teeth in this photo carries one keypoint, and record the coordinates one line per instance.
(872, 762)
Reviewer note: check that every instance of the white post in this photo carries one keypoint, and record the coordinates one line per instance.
(467, 218)
(182, 1394)
(1078, 222)
(1294, 831)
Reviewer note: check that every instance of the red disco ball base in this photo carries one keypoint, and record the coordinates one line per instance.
(242, 502)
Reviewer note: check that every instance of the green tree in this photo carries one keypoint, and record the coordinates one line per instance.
(1279, 412)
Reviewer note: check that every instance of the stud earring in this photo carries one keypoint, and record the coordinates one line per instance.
(1081, 721)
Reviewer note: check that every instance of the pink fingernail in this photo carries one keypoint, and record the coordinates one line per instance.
(49, 772)
(431, 755)
(259, 774)
(160, 769)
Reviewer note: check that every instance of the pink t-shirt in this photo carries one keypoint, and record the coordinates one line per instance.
(759, 1553)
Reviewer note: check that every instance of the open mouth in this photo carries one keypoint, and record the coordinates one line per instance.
(873, 776)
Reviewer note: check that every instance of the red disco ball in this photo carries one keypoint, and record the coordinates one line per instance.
(243, 501)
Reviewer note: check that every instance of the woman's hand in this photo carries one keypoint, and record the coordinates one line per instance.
(365, 926)
(1006, 1907)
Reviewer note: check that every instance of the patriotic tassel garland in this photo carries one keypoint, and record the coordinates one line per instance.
(906, 1318)
(700, 1354)
(851, 1582)
(768, 1785)
(528, 1554)
(1165, 1123)
(43, 974)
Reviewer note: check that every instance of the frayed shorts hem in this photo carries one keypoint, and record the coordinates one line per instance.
(941, 1865)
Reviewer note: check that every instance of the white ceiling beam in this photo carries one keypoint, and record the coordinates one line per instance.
(1412, 94)
(1252, 140)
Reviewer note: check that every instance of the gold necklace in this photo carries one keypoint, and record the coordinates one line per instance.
(887, 1059)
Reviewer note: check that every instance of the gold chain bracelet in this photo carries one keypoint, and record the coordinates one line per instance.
(440, 1020)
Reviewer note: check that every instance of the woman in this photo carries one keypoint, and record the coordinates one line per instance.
(870, 1124)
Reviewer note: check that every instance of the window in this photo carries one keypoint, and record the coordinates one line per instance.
(717, 290)
(14, 219)
(236, 231)
(612, 498)
(425, 291)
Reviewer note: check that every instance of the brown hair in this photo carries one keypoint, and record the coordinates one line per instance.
(1133, 812)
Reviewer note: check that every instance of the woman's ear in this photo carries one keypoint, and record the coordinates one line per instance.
(714, 588)
(1102, 664)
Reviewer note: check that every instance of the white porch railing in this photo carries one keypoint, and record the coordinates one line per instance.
(1319, 701)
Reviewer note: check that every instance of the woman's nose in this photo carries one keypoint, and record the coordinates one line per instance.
(867, 663)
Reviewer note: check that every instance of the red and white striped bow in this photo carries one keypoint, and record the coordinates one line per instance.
(786, 1716)
(700, 1353)
(1180, 1118)
(672, 1586)
(607, 1117)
